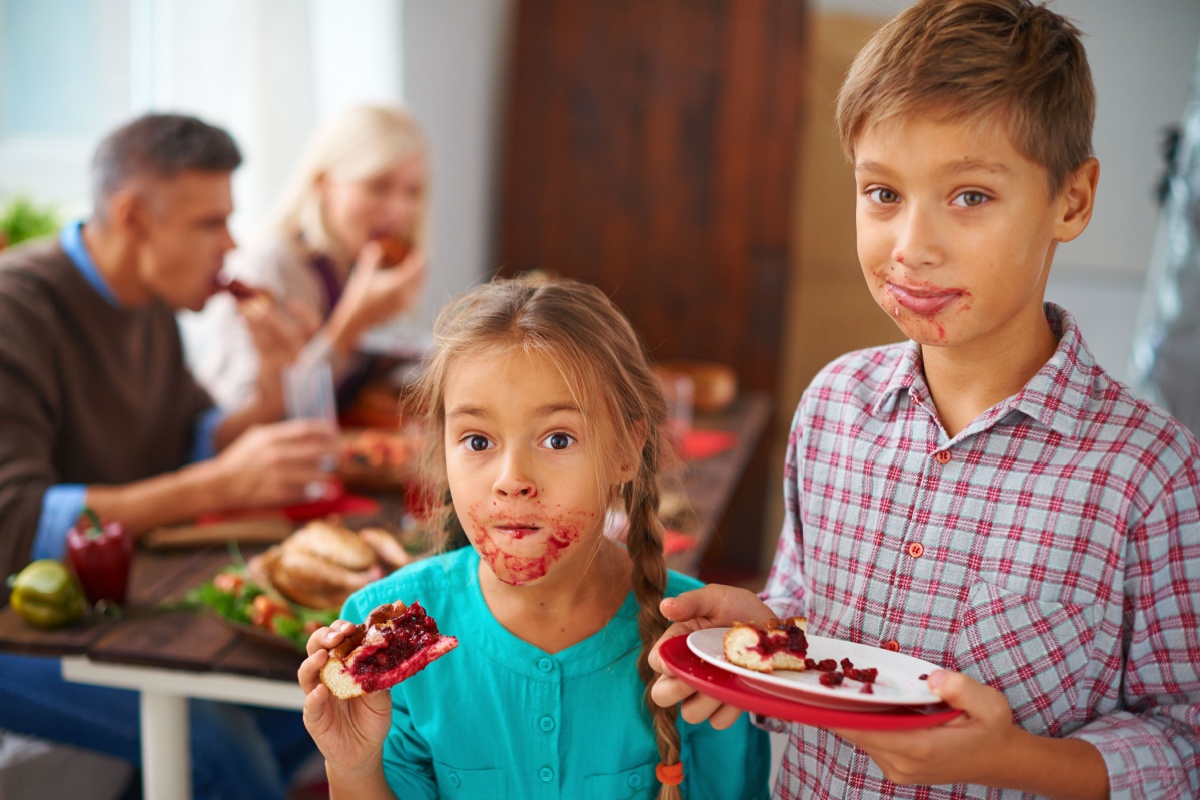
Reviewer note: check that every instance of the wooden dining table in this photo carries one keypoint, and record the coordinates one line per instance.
(169, 653)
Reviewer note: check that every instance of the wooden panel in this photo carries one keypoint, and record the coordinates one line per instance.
(650, 150)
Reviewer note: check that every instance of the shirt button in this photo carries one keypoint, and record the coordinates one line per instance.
(546, 723)
(635, 781)
(545, 665)
(943, 456)
(916, 549)
(455, 781)
(892, 644)
(546, 774)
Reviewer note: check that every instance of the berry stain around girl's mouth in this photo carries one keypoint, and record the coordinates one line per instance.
(494, 544)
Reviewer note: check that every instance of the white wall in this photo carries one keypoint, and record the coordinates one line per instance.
(455, 52)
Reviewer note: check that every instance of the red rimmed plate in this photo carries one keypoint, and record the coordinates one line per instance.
(730, 688)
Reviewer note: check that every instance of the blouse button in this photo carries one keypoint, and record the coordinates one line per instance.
(546, 723)
(455, 781)
(916, 549)
(546, 774)
(635, 780)
(892, 644)
(545, 665)
(943, 456)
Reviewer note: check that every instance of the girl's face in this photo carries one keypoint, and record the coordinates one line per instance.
(390, 202)
(523, 476)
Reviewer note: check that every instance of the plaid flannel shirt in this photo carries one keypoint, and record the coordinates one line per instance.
(1050, 550)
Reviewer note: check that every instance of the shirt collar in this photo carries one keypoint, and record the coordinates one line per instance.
(1056, 395)
(71, 239)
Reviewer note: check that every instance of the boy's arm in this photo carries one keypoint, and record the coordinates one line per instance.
(1155, 741)
(1151, 747)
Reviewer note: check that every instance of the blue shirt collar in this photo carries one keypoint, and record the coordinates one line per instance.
(71, 239)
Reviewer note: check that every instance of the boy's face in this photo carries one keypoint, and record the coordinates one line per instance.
(523, 475)
(956, 230)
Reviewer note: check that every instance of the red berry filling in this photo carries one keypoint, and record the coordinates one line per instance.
(402, 650)
(795, 643)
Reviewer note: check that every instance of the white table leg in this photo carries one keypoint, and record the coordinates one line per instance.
(166, 747)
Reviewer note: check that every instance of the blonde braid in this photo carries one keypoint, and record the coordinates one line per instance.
(645, 546)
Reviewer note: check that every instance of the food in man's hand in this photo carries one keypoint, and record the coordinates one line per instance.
(46, 595)
(765, 648)
(395, 249)
(393, 644)
(101, 555)
(245, 294)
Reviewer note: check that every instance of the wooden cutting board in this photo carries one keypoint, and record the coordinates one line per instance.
(249, 531)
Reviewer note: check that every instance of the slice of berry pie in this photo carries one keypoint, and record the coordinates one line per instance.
(781, 644)
(393, 644)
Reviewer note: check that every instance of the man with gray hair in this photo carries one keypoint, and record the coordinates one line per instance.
(98, 409)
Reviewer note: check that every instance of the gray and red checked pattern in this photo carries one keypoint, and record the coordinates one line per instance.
(1050, 550)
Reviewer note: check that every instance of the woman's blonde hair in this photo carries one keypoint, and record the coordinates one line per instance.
(606, 367)
(979, 61)
(357, 144)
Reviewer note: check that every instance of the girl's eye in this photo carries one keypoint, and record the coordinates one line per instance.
(476, 442)
(883, 196)
(559, 441)
(971, 199)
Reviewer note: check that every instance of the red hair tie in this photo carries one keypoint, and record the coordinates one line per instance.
(669, 774)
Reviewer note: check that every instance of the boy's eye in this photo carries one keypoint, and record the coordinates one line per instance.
(476, 442)
(971, 199)
(883, 196)
(559, 441)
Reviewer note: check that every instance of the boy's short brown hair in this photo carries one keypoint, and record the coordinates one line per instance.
(1013, 60)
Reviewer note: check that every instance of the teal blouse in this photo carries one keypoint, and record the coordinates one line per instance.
(499, 718)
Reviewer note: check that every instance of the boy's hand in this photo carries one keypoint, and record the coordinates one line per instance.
(711, 606)
(972, 748)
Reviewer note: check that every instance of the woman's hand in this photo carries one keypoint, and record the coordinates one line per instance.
(711, 606)
(279, 333)
(375, 293)
(349, 733)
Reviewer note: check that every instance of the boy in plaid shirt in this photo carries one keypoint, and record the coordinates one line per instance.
(984, 496)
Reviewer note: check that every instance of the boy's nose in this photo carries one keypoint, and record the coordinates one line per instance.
(916, 241)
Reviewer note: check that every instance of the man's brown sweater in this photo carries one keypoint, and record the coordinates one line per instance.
(89, 393)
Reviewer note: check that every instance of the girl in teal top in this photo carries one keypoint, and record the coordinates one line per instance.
(544, 417)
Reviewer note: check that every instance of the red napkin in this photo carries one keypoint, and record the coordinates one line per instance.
(342, 504)
(676, 542)
(698, 444)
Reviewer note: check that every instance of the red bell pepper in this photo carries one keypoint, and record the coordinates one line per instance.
(100, 556)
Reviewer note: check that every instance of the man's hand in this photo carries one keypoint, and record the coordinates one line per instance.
(273, 465)
(712, 606)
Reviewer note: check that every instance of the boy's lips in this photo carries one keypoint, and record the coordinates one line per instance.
(922, 300)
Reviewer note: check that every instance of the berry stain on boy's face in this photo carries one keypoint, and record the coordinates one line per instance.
(955, 230)
(522, 477)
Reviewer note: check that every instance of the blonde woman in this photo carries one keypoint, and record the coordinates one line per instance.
(329, 257)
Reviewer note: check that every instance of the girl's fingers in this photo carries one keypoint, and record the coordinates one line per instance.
(309, 673)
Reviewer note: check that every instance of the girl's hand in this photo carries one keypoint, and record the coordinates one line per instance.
(349, 733)
(711, 606)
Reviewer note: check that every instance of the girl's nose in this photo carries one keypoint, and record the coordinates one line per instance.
(514, 479)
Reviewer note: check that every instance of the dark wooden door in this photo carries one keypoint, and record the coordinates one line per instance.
(650, 148)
